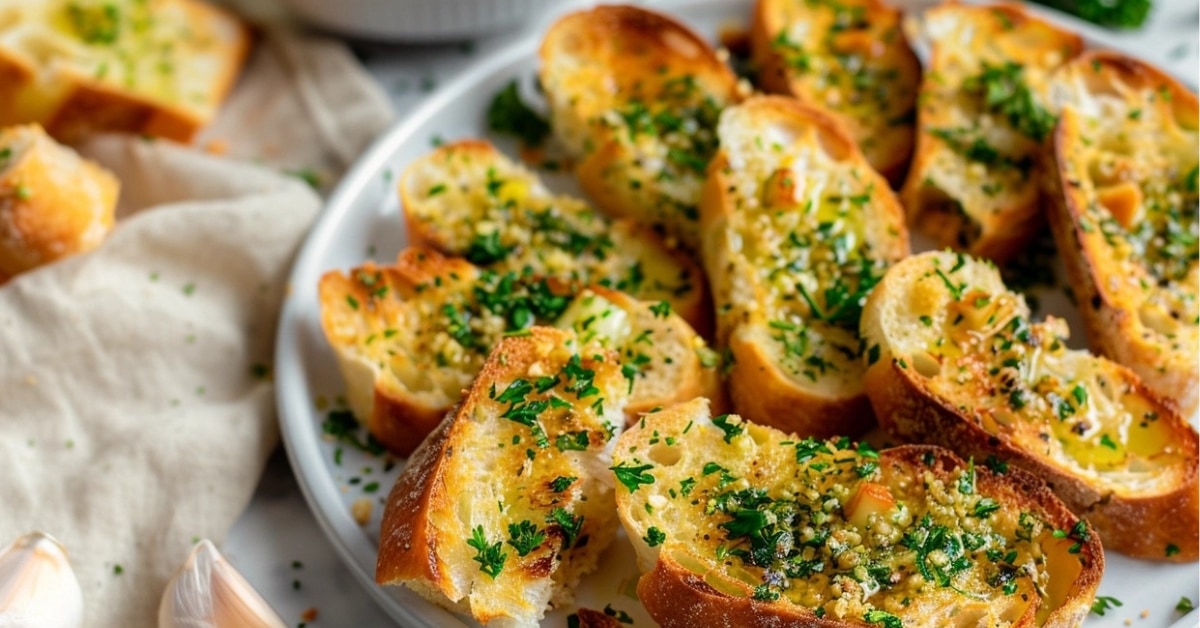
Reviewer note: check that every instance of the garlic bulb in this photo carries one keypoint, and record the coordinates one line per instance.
(38, 589)
(207, 592)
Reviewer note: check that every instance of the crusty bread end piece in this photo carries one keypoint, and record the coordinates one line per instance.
(53, 203)
(151, 67)
(797, 229)
(468, 199)
(410, 337)
(850, 58)
(1124, 212)
(982, 120)
(762, 528)
(960, 364)
(508, 503)
(634, 96)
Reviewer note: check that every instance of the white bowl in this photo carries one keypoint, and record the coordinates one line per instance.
(421, 20)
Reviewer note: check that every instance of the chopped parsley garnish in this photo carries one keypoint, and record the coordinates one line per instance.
(654, 537)
(576, 441)
(1105, 603)
(1005, 92)
(485, 249)
(508, 114)
(731, 429)
(1172, 549)
(997, 466)
(96, 23)
(583, 378)
(525, 537)
(343, 427)
(662, 309)
(884, 618)
(490, 557)
(633, 477)
(985, 507)
(562, 483)
(1185, 605)
(569, 524)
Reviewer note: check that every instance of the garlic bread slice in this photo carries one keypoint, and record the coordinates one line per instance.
(634, 96)
(467, 199)
(508, 503)
(53, 203)
(850, 58)
(410, 337)
(152, 67)
(763, 528)
(1124, 214)
(960, 364)
(982, 119)
(798, 227)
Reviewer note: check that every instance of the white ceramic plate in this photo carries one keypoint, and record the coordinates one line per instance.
(363, 221)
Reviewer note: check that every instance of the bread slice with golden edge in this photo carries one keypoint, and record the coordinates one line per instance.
(960, 364)
(468, 199)
(1124, 213)
(52, 202)
(508, 503)
(762, 528)
(411, 336)
(850, 58)
(152, 67)
(982, 119)
(797, 229)
(634, 97)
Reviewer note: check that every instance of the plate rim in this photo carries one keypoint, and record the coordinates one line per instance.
(301, 443)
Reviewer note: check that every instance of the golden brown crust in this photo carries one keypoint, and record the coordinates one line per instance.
(760, 388)
(601, 60)
(987, 211)
(1108, 307)
(881, 117)
(52, 203)
(633, 242)
(74, 103)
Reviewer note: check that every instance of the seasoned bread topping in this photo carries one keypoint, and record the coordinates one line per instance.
(833, 527)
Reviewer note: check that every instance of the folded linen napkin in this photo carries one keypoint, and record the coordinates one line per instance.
(136, 406)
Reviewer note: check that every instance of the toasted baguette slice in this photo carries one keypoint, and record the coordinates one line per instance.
(1125, 201)
(153, 67)
(961, 365)
(52, 202)
(410, 337)
(797, 228)
(765, 529)
(468, 199)
(982, 119)
(850, 58)
(634, 96)
(507, 504)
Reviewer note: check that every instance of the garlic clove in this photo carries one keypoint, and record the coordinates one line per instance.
(207, 592)
(38, 588)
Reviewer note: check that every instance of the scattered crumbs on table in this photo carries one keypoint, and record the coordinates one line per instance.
(153, 276)
(297, 564)
(309, 615)
(31, 380)
(307, 175)
(118, 570)
(337, 456)
(366, 470)
(174, 403)
(200, 390)
(371, 487)
(195, 540)
(70, 443)
(31, 442)
(295, 585)
(1128, 621)
(189, 288)
(361, 510)
(389, 463)
(1185, 605)
(191, 339)
(436, 141)
(1145, 613)
(354, 481)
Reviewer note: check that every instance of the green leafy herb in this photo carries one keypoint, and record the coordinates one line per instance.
(508, 114)
(569, 524)
(1185, 605)
(731, 429)
(654, 537)
(525, 537)
(1005, 92)
(1105, 603)
(884, 618)
(633, 477)
(490, 557)
(562, 483)
(485, 249)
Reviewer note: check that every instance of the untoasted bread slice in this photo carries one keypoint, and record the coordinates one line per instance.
(762, 528)
(410, 337)
(797, 229)
(634, 96)
(961, 365)
(52, 202)
(468, 199)
(1125, 216)
(507, 504)
(850, 58)
(981, 122)
(153, 67)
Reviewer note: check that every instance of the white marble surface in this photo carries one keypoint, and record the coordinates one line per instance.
(277, 543)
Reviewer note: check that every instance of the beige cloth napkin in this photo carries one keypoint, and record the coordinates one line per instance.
(135, 409)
